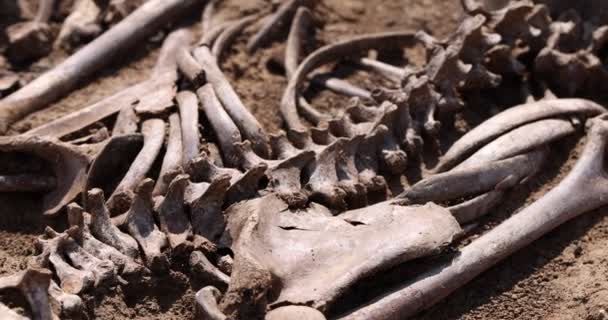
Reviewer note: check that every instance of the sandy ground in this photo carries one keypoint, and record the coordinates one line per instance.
(561, 276)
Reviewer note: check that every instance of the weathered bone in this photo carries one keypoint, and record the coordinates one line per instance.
(387, 70)
(188, 111)
(206, 301)
(190, 68)
(167, 58)
(172, 162)
(228, 35)
(140, 223)
(472, 209)
(65, 305)
(302, 22)
(33, 284)
(342, 87)
(154, 134)
(68, 75)
(553, 209)
(332, 253)
(242, 117)
(294, 312)
(206, 202)
(513, 118)
(103, 270)
(172, 215)
(206, 271)
(83, 24)
(69, 167)
(207, 16)
(9, 314)
(31, 39)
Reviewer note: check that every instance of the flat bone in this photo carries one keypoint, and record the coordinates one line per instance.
(172, 215)
(206, 304)
(188, 112)
(69, 167)
(275, 24)
(581, 191)
(103, 229)
(96, 55)
(141, 226)
(33, 284)
(203, 269)
(520, 140)
(242, 117)
(315, 257)
(475, 180)
(226, 131)
(328, 53)
(172, 162)
(154, 134)
(511, 119)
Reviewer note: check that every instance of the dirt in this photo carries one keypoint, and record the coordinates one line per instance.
(564, 275)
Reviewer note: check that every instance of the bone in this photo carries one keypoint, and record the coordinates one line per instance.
(207, 16)
(260, 228)
(69, 167)
(210, 36)
(103, 229)
(472, 209)
(33, 284)
(83, 24)
(206, 271)
(140, 224)
(188, 109)
(206, 303)
(206, 208)
(68, 75)
(553, 209)
(65, 305)
(242, 117)
(341, 87)
(300, 28)
(475, 180)
(31, 40)
(9, 314)
(167, 58)
(224, 263)
(386, 70)
(511, 119)
(172, 162)
(96, 137)
(294, 312)
(190, 68)
(289, 101)
(229, 34)
(154, 134)
(27, 183)
(172, 214)
(275, 24)
(103, 271)
(226, 131)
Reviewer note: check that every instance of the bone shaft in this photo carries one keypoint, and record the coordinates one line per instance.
(188, 110)
(225, 130)
(342, 87)
(45, 10)
(384, 69)
(167, 60)
(68, 75)
(190, 67)
(274, 24)
(295, 40)
(207, 15)
(173, 155)
(245, 121)
(228, 36)
(27, 183)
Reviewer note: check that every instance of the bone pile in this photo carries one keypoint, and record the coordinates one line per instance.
(285, 225)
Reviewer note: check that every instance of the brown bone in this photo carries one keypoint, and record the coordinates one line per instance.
(33, 284)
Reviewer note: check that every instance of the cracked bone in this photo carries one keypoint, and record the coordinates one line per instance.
(154, 135)
(68, 75)
(141, 226)
(34, 285)
(68, 163)
(331, 255)
(206, 304)
(587, 178)
(31, 40)
(203, 269)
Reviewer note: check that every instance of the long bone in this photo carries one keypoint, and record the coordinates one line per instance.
(172, 162)
(188, 111)
(553, 209)
(33, 284)
(242, 117)
(520, 140)
(511, 119)
(31, 39)
(65, 77)
(190, 68)
(69, 167)
(227, 37)
(289, 101)
(316, 257)
(154, 134)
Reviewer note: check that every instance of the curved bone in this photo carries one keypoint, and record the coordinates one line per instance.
(69, 167)
(300, 26)
(154, 134)
(343, 87)
(475, 180)
(188, 111)
(472, 209)
(294, 312)
(172, 162)
(513, 118)
(68, 75)
(210, 36)
(172, 215)
(226, 131)
(242, 117)
(103, 229)
(229, 34)
(206, 271)
(520, 140)
(315, 257)
(167, 58)
(206, 301)
(333, 52)
(27, 183)
(275, 24)
(206, 208)
(140, 223)
(207, 16)
(190, 68)
(33, 284)
(553, 209)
